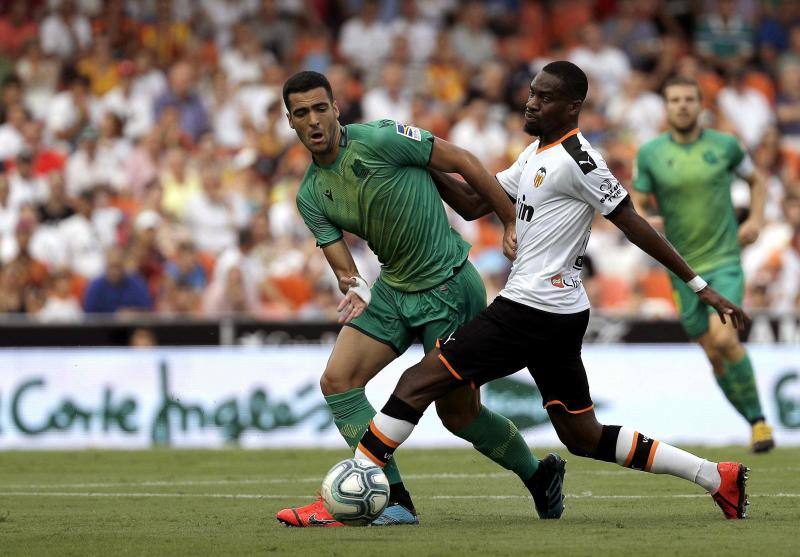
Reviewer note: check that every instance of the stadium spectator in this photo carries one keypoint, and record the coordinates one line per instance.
(24, 275)
(65, 33)
(56, 207)
(391, 99)
(787, 111)
(84, 253)
(165, 35)
(637, 110)
(230, 293)
(363, 39)
(605, 65)
(479, 134)
(133, 107)
(94, 164)
(214, 214)
(70, 110)
(142, 165)
(179, 182)
(418, 31)
(26, 187)
(11, 138)
(46, 158)
(184, 280)
(724, 38)
(117, 291)
(427, 63)
(243, 60)
(145, 254)
(273, 32)
(181, 95)
(745, 108)
(634, 31)
(60, 304)
(99, 68)
(226, 112)
(148, 81)
(17, 29)
(39, 74)
(142, 337)
(8, 218)
(471, 38)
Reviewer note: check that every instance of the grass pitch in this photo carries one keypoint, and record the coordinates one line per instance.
(222, 503)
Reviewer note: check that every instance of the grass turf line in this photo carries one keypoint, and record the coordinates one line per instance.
(223, 503)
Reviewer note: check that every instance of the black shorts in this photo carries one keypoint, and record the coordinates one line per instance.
(508, 336)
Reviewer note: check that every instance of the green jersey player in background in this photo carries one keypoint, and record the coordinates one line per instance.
(374, 180)
(685, 175)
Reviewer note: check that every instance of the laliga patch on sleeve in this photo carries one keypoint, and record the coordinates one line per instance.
(410, 132)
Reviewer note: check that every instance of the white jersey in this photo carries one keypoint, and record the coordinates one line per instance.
(557, 188)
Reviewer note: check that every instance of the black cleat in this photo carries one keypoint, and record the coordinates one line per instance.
(548, 492)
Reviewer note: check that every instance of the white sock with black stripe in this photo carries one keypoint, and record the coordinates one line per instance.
(639, 452)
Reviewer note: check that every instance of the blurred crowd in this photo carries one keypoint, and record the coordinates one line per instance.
(147, 165)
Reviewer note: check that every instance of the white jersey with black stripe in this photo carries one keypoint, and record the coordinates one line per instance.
(557, 189)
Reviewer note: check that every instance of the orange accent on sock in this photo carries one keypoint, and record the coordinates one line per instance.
(651, 457)
(385, 440)
(371, 456)
(581, 411)
(450, 368)
(633, 449)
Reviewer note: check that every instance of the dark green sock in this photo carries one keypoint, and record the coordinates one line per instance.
(499, 439)
(739, 386)
(352, 413)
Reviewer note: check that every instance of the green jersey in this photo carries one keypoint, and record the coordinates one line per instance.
(379, 189)
(692, 184)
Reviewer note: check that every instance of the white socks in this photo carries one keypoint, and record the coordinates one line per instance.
(634, 450)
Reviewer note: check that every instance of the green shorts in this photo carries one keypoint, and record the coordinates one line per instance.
(728, 281)
(397, 318)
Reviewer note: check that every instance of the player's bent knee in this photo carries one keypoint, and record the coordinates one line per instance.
(334, 384)
(423, 383)
(455, 419)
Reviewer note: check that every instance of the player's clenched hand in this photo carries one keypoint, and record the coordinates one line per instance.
(724, 307)
(510, 241)
(748, 232)
(656, 221)
(352, 305)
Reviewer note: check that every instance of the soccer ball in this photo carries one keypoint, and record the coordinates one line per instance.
(355, 492)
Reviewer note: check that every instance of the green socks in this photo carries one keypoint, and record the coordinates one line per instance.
(499, 439)
(739, 385)
(492, 434)
(352, 413)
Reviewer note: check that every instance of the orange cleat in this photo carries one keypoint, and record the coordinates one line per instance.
(310, 516)
(731, 496)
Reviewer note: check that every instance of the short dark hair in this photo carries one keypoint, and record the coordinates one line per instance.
(681, 80)
(573, 80)
(305, 81)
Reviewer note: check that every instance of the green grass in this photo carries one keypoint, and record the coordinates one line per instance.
(223, 502)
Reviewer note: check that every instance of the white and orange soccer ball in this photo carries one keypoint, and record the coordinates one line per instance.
(355, 492)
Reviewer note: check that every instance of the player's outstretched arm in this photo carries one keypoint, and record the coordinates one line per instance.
(751, 227)
(640, 233)
(355, 289)
(447, 157)
(463, 199)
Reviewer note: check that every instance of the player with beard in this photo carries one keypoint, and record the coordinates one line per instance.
(374, 180)
(539, 318)
(685, 174)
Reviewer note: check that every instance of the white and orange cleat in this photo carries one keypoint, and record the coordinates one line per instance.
(313, 515)
(731, 496)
